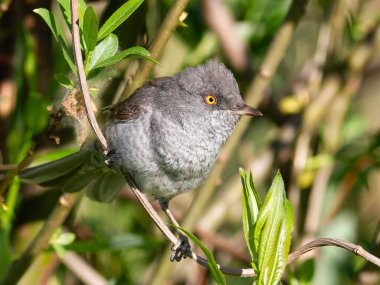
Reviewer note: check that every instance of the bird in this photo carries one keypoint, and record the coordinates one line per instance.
(166, 136)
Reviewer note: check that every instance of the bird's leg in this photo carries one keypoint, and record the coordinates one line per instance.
(182, 248)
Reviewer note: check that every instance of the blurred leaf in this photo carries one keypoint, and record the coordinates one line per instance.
(36, 115)
(90, 29)
(104, 50)
(56, 168)
(251, 207)
(53, 24)
(60, 240)
(6, 217)
(305, 272)
(213, 266)
(105, 187)
(66, 11)
(118, 17)
(59, 250)
(64, 239)
(112, 243)
(133, 51)
(5, 247)
(273, 234)
(63, 80)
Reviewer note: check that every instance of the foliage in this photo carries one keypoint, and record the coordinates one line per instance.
(320, 128)
(99, 45)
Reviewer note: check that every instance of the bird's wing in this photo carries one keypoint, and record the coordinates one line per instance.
(141, 101)
(123, 111)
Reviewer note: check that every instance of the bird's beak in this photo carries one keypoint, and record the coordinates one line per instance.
(246, 110)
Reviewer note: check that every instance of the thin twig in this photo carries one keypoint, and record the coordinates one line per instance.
(356, 249)
(6, 167)
(42, 239)
(82, 77)
(220, 19)
(82, 269)
(166, 29)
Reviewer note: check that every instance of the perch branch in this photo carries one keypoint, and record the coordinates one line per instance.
(82, 77)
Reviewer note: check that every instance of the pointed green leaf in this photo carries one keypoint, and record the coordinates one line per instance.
(133, 51)
(52, 22)
(64, 5)
(90, 29)
(104, 50)
(65, 239)
(251, 206)
(118, 17)
(64, 81)
(214, 268)
(59, 250)
(273, 234)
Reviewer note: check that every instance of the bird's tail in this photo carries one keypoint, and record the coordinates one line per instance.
(84, 169)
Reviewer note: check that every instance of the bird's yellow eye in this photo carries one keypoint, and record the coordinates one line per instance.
(210, 100)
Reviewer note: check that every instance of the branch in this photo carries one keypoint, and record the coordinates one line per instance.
(82, 269)
(82, 77)
(220, 19)
(356, 249)
(42, 239)
(166, 29)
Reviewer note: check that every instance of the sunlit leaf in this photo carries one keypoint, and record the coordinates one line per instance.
(90, 29)
(66, 10)
(64, 239)
(133, 51)
(63, 80)
(251, 206)
(53, 24)
(103, 51)
(273, 234)
(118, 17)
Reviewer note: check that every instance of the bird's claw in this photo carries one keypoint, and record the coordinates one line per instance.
(108, 153)
(181, 249)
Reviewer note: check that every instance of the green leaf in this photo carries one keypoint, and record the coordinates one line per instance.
(66, 10)
(52, 22)
(60, 240)
(90, 29)
(273, 234)
(251, 206)
(65, 239)
(136, 51)
(213, 266)
(59, 250)
(63, 80)
(103, 51)
(118, 17)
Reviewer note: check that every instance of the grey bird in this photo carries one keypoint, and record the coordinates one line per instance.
(166, 136)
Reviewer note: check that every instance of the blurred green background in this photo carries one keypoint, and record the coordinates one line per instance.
(321, 128)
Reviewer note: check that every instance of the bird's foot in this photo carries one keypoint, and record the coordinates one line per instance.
(181, 249)
(108, 153)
